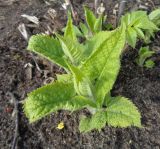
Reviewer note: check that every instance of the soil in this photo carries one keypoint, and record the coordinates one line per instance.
(142, 86)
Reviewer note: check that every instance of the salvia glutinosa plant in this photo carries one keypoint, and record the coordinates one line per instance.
(91, 70)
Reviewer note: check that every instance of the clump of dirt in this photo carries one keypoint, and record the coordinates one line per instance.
(139, 85)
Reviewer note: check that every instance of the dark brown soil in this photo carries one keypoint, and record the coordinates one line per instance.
(140, 85)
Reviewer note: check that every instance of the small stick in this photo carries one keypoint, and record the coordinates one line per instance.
(152, 3)
(96, 2)
(23, 31)
(37, 66)
(136, 6)
(16, 134)
(28, 68)
(121, 9)
(71, 8)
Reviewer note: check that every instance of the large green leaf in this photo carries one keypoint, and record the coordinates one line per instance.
(47, 99)
(51, 98)
(47, 47)
(122, 113)
(96, 121)
(103, 65)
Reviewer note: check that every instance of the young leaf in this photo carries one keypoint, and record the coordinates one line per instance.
(93, 43)
(84, 29)
(122, 113)
(146, 24)
(131, 37)
(149, 64)
(98, 24)
(100, 67)
(143, 54)
(47, 47)
(69, 31)
(72, 49)
(90, 19)
(70, 45)
(96, 121)
(139, 33)
(82, 84)
(77, 32)
(154, 16)
(139, 22)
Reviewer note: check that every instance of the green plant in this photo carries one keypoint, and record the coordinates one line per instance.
(140, 25)
(143, 57)
(154, 16)
(92, 68)
(149, 64)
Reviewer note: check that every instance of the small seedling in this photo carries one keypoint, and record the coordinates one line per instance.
(143, 57)
(154, 16)
(149, 64)
(139, 25)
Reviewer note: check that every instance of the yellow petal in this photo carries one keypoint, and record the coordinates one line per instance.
(60, 125)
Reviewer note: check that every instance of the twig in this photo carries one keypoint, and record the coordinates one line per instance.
(136, 6)
(37, 66)
(121, 10)
(71, 8)
(28, 68)
(16, 134)
(152, 3)
(32, 19)
(96, 2)
(23, 31)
